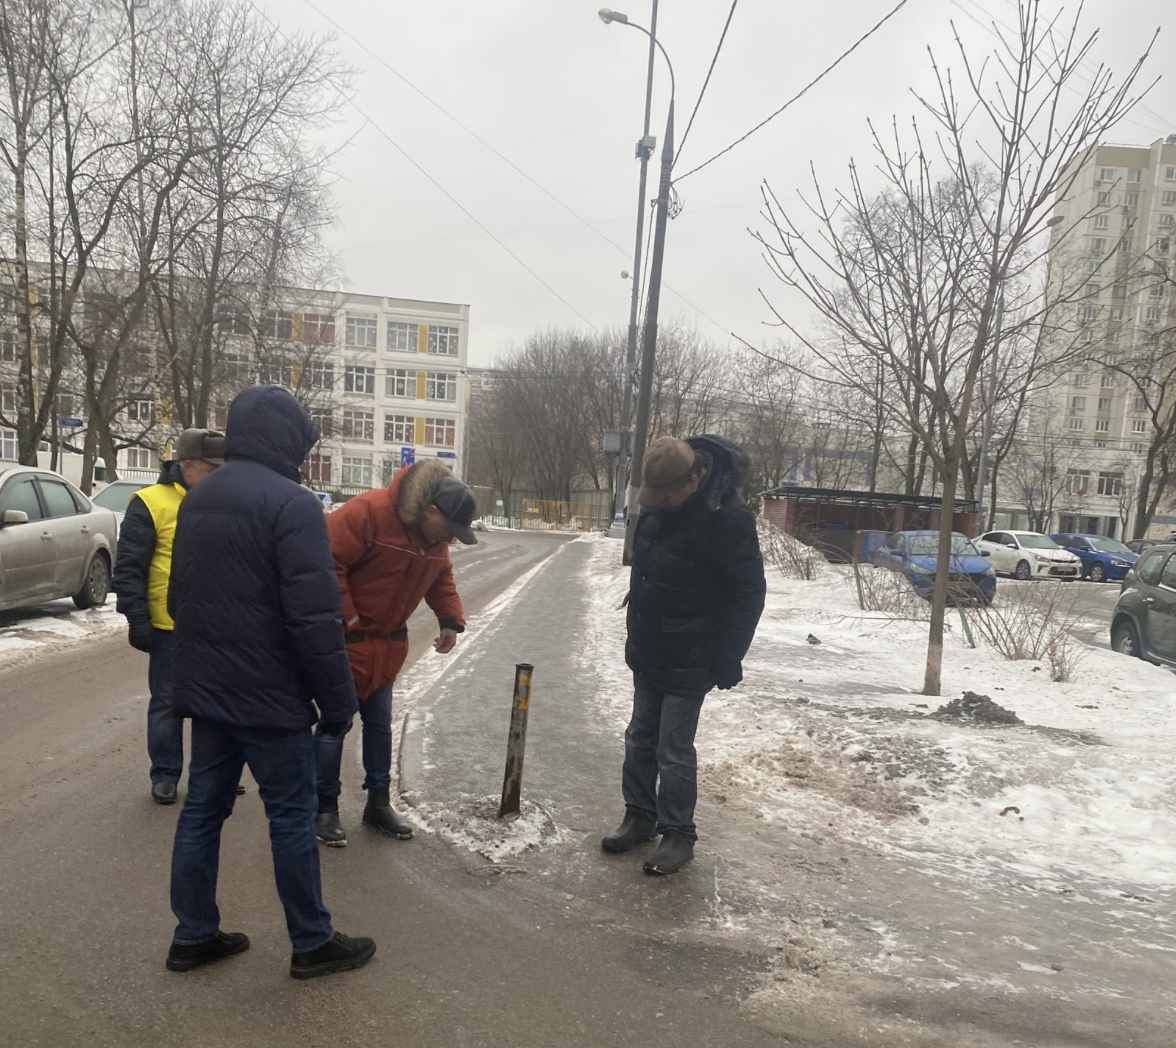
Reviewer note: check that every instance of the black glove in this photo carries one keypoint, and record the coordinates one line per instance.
(141, 635)
(333, 728)
(728, 673)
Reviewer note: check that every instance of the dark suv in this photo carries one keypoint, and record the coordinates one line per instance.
(1144, 620)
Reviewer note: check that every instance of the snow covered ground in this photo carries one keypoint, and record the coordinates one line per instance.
(33, 632)
(836, 735)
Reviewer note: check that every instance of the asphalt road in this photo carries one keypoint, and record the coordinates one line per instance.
(85, 923)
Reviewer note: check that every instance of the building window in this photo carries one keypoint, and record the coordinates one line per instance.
(357, 472)
(1107, 382)
(319, 468)
(1168, 220)
(402, 338)
(1104, 403)
(1091, 290)
(9, 447)
(1130, 199)
(1125, 244)
(1101, 222)
(1100, 443)
(1136, 446)
(1076, 423)
(1139, 402)
(1169, 196)
(319, 327)
(8, 400)
(1128, 222)
(1117, 313)
(1077, 405)
(441, 432)
(1110, 483)
(1077, 481)
(359, 379)
(1134, 176)
(399, 429)
(400, 382)
(1109, 359)
(443, 340)
(322, 375)
(1170, 174)
(8, 346)
(1088, 313)
(276, 375)
(1086, 335)
(1119, 291)
(1156, 290)
(440, 385)
(1139, 425)
(233, 323)
(141, 410)
(1106, 174)
(277, 323)
(1081, 379)
(139, 458)
(359, 425)
(325, 421)
(361, 332)
(1102, 425)
(1151, 313)
(1113, 337)
(1104, 197)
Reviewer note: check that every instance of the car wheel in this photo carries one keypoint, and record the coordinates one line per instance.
(97, 585)
(1098, 573)
(1125, 640)
(1023, 572)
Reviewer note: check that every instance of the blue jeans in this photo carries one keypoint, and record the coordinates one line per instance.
(282, 762)
(660, 776)
(165, 731)
(376, 714)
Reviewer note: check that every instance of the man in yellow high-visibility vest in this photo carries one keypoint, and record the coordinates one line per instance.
(141, 572)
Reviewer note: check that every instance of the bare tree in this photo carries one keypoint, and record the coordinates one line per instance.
(914, 274)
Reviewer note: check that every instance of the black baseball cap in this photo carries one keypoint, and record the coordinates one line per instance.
(455, 502)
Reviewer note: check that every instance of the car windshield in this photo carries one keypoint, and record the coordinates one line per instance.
(1109, 546)
(116, 496)
(928, 546)
(1030, 541)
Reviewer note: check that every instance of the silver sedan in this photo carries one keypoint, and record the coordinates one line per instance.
(53, 541)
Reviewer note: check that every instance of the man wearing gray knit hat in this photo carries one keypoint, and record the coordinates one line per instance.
(695, 596)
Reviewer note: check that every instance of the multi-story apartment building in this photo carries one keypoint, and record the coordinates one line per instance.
(383, 377)
(1117, 243)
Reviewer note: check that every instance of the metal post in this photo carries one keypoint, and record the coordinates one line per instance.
(649, 336)
(987, 431)
(516, 742)
(644, 149)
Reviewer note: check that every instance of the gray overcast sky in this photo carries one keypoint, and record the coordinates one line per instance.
(560, 94)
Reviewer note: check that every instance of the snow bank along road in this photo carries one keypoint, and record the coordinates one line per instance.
(84, 918)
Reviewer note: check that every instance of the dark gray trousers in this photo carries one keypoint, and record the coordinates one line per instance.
(660, 777)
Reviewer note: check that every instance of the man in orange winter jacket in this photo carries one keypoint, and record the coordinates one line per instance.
(391, 549)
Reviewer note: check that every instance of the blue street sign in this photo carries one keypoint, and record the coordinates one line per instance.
(70, 423)
(447, 454)
(407, 456)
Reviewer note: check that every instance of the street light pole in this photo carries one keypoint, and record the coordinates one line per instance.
(644, 150)
(649, 337)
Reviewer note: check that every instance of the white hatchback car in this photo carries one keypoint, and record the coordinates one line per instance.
(53, 541)
(1029, 555)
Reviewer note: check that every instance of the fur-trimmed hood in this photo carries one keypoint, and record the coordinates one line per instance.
(416, 488)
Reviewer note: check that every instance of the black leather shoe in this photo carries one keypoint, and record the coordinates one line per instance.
(674, 852)
(635, 829)
(183, 958)
(380, 815)
(341, 954)
(163, 792)
(328, 829)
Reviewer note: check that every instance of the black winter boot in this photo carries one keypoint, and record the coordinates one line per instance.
(379, 814)
(341, 953)
(674, 852)
(184, 957)
(327, 826)
(634, 829)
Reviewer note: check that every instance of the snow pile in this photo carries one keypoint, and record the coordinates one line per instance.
(834, 737)
(27, 633)
(474, 824)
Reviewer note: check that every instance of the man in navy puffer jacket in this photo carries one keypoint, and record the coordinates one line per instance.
(258, 646)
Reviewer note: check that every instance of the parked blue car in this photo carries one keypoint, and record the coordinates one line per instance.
(1102, 558)
(915, 553)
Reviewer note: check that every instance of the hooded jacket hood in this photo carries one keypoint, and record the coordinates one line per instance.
(416, 488)
(268, 425)
(726, 472)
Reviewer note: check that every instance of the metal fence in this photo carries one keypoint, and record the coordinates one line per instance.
(593, 513)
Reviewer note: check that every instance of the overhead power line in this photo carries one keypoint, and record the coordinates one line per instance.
(801, 93)
(714, 59)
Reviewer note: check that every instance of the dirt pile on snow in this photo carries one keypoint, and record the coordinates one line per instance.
(976, 709)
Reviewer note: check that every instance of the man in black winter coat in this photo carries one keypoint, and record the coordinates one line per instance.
(696, 593)
(258, 646)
